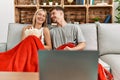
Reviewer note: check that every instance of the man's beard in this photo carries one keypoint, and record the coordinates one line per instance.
(54, 20)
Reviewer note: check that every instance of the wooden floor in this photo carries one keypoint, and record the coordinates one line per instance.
(19, 76)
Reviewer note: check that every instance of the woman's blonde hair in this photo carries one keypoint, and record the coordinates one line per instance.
(34, 18)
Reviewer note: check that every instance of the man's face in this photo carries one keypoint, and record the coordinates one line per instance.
(56, 15)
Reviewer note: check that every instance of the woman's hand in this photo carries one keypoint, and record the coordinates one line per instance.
(28, 27)
(23, 31)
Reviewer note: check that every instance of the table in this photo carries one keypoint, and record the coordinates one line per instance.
(19, 76)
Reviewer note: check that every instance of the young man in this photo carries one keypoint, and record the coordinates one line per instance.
(65, 32)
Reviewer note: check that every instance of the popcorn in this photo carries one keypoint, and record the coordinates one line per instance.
(33, 31)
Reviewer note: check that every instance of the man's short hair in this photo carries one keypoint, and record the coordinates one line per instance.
(57, 8)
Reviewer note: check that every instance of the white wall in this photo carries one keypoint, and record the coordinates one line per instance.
(6, 16)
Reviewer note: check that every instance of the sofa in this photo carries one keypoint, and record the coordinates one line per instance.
(101, 37)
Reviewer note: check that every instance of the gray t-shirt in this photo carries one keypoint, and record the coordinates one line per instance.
(68, 33)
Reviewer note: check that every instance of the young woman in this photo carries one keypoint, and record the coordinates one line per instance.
(24, 56)
(39, 28)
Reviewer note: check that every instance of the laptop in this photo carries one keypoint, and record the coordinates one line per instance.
(68, 65)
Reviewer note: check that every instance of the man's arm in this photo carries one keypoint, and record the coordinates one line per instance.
(80, 46)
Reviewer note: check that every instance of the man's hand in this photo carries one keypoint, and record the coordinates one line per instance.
(67, 48)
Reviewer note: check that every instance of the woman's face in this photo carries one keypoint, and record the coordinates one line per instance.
(40, 17)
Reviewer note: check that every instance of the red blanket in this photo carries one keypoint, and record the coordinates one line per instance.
(103, 74)
(23, 57)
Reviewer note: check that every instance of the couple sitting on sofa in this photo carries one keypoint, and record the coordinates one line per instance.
(26, 50)
(60, 35)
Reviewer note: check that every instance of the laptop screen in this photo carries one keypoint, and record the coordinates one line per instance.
(68, 65)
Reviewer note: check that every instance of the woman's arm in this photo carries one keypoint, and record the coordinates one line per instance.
(23, 33)
(47, 37)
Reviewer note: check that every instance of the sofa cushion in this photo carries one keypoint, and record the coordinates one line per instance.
(109, 40)
(14, 34)
(90, 35)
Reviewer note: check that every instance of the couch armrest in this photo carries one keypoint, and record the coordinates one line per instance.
(3, 47)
